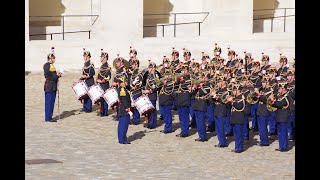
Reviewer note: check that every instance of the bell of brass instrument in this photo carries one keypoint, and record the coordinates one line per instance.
(252, 97)
(269, 105)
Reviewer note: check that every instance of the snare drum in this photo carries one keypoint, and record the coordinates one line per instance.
(95, 92)
(143, 104)
(111, 96)
(80, 88)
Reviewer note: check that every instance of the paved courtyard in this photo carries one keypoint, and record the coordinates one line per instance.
(85, 146)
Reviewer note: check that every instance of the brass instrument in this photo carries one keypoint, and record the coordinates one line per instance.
(269, 105)
(125, 63)
(224, 96)
(252, 97)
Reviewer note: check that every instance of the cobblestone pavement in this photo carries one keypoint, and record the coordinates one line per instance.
(87, 146)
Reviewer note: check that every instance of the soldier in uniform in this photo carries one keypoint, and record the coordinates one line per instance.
(238, 68)
(220, 111)
(118, 64)
(136, 79)
(219, 65)
(216, 54)
(210, 108)
(50, 86)
(265, 63)
(262, 111)
(175, 61)
(248, 61)
(256, 82)
(195, 73)
(274, 85)
(227, 125)
(165, 65)
(283, 65)
(150, 79)
(88, 73)
(246, 89)
(204, 64)
(202, 93)
(104, 75)
(133, 56)
(186, 56)
(282, 116)
(231, 58)
(175, 65)
(291, 95)
(183, 101)
(237, 116)
(123, 110)
(166, 101)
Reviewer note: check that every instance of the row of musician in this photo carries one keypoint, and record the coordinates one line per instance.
(233, 88)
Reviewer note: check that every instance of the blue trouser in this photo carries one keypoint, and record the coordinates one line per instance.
(219, 121)
(184, 119)
(272, 122)
(136, 114)
(174, 107)
(253, 110)
(227, 124)
(238, 136)
(50, 98)
(209, 117)
(192, 114)
(152, 116)
(167, 117)
(291, 125)
(201, 126)
(87, 105)
(245, 128)
(104, 108)
(283, 135)
(263, 129)
(123, 128)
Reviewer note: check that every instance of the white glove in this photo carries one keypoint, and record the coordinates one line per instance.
(131, 114)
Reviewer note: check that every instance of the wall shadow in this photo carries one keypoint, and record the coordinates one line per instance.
(155, 7)
(259, 24)
(38, 25)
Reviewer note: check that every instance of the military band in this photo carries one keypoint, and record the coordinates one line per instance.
(209, 94)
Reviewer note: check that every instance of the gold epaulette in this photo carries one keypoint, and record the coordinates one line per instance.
(52, 68)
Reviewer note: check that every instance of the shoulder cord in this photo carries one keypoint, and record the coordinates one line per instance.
(242, 99)
(103, 71)
(280, 99)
